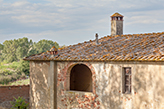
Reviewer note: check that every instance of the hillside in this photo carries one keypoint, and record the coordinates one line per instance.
(11, 72)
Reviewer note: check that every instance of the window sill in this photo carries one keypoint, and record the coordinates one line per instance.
(126, 95)
(79, 92)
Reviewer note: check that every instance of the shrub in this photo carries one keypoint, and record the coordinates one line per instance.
(5, 79)
(6, 72)
(14, 65)
(19, 103)
(13, 71)
(23, 76)
(24, 67)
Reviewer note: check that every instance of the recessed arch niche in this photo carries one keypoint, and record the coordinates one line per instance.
(80, 78)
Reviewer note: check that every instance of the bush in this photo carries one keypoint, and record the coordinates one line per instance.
(15, 76)
(19, 103)
(13, 71)
(24, 67)
(5, 79)
(6, 72)
(14, 65)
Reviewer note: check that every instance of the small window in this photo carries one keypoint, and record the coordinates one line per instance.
(127, 80)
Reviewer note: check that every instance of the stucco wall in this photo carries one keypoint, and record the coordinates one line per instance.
(39, 90)
(147, 86)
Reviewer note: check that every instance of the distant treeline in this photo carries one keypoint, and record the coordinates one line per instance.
(15, 50)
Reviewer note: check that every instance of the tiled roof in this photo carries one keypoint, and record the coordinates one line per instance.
(132, 47)
(117, 15)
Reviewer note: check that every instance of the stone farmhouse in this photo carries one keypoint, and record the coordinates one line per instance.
(113, 72)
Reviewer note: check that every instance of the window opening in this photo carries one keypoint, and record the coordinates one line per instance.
(81, 78)
(127, 80)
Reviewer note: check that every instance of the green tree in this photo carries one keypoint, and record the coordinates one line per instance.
(9, 49)
(24, 67)
(1, 48)
(42, 46)
(14, 50)
(19, 52)
(23, 47)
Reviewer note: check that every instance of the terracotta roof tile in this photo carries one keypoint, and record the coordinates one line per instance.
(132, 47)
(117, 15)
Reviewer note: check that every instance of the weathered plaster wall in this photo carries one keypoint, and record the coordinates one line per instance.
(116, 27)
(119, 27)
(39, 89)
(147, 87)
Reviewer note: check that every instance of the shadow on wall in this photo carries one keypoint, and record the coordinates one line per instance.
(110, 86)
(149, 87)
(40, 94)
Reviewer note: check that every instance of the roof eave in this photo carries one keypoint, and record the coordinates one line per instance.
(98, 60)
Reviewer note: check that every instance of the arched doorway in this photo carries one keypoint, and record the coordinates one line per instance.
(81, 78)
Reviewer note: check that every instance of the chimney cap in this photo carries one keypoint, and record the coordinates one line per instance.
(53, 49)
(117, 15)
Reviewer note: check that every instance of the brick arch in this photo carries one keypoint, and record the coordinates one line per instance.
(66, 97)
(67, 72)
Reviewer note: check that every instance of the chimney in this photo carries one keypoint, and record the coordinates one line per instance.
(116, 24)
(54, 50)
(97, 40)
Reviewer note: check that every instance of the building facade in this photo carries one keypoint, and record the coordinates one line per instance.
(108, 85)
(112, 72)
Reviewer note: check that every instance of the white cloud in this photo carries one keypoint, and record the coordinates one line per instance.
(145, 17)
(20, 4)
(79, 20)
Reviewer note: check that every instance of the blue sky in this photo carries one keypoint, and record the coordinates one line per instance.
(72, 21)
